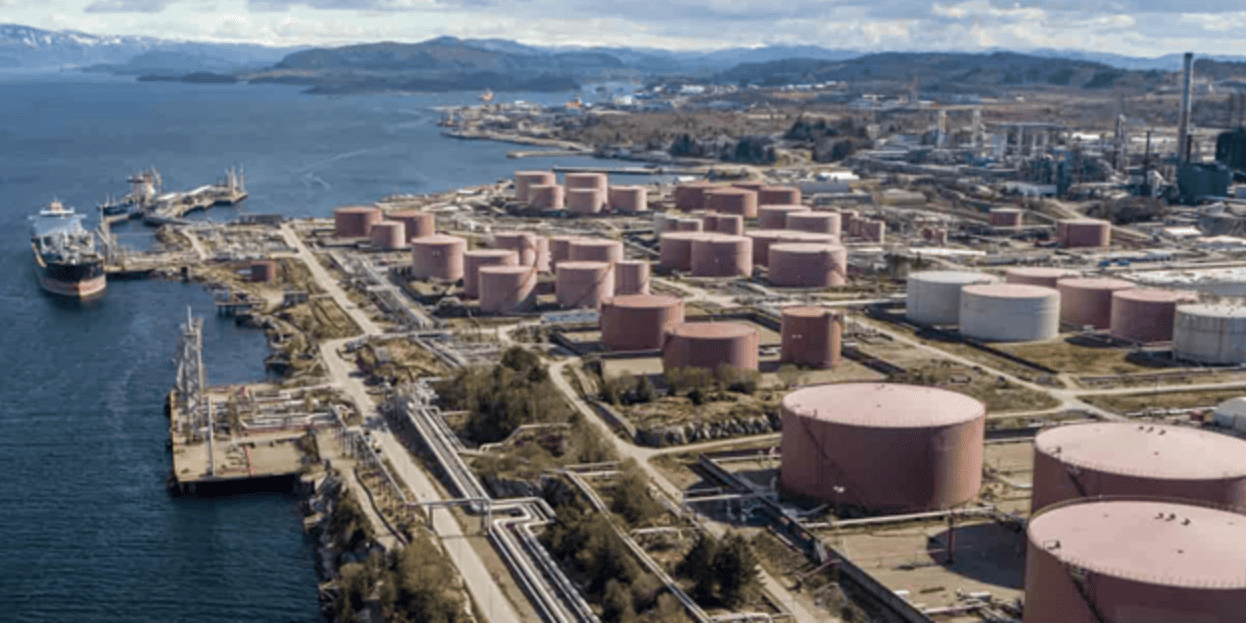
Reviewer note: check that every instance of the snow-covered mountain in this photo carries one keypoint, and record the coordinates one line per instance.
(25, 47)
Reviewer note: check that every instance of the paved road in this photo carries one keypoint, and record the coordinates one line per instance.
(327, 282)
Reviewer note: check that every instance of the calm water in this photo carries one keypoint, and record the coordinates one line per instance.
(88, 532)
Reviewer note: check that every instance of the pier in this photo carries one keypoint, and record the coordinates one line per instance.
(173, 207)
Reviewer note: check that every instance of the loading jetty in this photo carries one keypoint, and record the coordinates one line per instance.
(146, 202)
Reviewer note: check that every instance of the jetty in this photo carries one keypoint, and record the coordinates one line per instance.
(172, 207)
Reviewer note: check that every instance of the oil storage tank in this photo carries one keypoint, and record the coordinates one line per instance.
(473, 260)
(1146, 314)
(1083, 233)
(596, 250)
(732, 200)
(560, 248)
(774, 216)
(818, 222)
(417, 223)
(547, 196)
(522, 243)
(1037, 276)
(711, 346)
(808, 265)
(585, 200)
(1210, 333)
(933, 297)
(1137, 459)
(763, 239)
(628, 198)
(354, 221)
(507, 289)
(1088, 300)
(811, 336)
(721, 255)
(691, 195)
(586, 180)
(631, 277)
(388, 235)
(778, 195)
(639, 322)
(834, 436)
(263, 271)
(583, 284)
(438, 256)
(1009, 312)
(729, 224)
(526, 179)
(675, 249)
(1133, 560)
(1005, 217)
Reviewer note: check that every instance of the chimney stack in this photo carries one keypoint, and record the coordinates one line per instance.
(1183, 131)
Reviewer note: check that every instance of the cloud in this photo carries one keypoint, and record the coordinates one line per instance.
(127, 6)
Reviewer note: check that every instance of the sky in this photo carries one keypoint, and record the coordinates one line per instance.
(1131, 27)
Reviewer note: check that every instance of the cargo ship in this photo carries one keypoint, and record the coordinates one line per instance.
(66, 260)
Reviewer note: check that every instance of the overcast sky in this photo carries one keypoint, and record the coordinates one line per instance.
(1134, 27)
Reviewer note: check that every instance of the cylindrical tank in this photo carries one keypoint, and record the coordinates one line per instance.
(814, 221)
(1083, 233)
(417, 224)
(709, 222)
(778, 195)
(585, 200)
(584, 284)
(522, 243)
(631, 277)
(1088, 300)
(507, 289)
(1135, 560)
(675, 249)
(560, 248)
(1131, 459)
(1009, 312)
(933, 297)
(834, 436)
(763, 239)
(639, 322)
(354, 221)
(729, 224)
(628, 198)
(596, 250)
(873, 230)
(774, 216)
(684, 224)
(388, 235)
(473, 260)
(1037, 276)
(732, 200)
(437, 256)
(750, 185)
(808, 265)
(691, 195)
(711, 346)
(811, 336)
(526, 179)
(263, 271)
(586, 180)
(547, 196)
(1005, 217)
(851, 222)
(722, 255)
(542, 254)
(1146, 314)
(1210, 334)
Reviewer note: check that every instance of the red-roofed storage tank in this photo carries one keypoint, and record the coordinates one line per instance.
(763, 239)
(778, 195)
(722, 255)
(473, 260)
(814, 221)
(437, 256)
(1037, 276)
(1146, 314)
(1088, 300)
(711, 346)
(585, 200)
(522, 243)
(388, 235)
(417, 223)
(639, 322)
(774, 216)
(675, 249)
(583, 284)
(547, 196)
(628, 198)
(731, 200)
(560, 248)
(1083, 233)
(354, 221)
(596, 250)
(887, 448)
(729, 224)
(586, 180)
(507, 289)
(808, 265)
(631, 277)
(811, 336)
(527, 179)
(1005, 217)
(691, 195)
(263, 271)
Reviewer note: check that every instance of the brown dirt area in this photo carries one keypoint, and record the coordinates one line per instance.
(1128, 403)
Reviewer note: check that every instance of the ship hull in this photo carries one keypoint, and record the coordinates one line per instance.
(80, 281)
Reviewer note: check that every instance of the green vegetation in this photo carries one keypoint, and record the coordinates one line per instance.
(627, 390)
(721, 570)
(695, 382)
(631, 495)
(409, 585)
(517, 391)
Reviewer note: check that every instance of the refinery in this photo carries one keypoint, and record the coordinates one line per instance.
(951, 377)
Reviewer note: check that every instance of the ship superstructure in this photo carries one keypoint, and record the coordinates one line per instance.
(66, 259)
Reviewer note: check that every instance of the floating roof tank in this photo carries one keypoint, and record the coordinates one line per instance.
(1146, 314)
(473, 260)
(1037, 276)
(522, 243)
(1132, 459)
(933, 297)
(711, 346)
(817, 222)
(778, 195)
(834, 436)
(507, 289)
(774, 216)
(585, 200)
(417, 223)
(560, 248)
(1083, 233)
(811, 336)
(263, 271)
(691, 195)
(729, 224)
(639, 322)
(354, 221)
(388, 235)
(721, 255)
(1210, 334)
(1117, 560)
(596, 250)
(1005, 217)
(1088, 300)
(675, 249)
(586, 180)
(547, 196)
(628, 198)
(631, 277)
(526, 179)
(763, 239)
(808, 265)
(1009, 312)
(584, 284)
(438, 256)
(731, 200)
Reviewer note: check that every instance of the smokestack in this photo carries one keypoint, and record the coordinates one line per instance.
(1183, 132)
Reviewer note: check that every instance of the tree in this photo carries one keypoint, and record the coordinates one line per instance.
(616, 605)
(631, 495)
(735, 567)
(698, 565)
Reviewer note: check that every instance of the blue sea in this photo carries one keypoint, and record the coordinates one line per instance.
(87, 531)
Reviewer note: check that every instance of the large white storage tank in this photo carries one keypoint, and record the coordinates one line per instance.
(1009, 312)
(1210, 333)
(933, 297)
